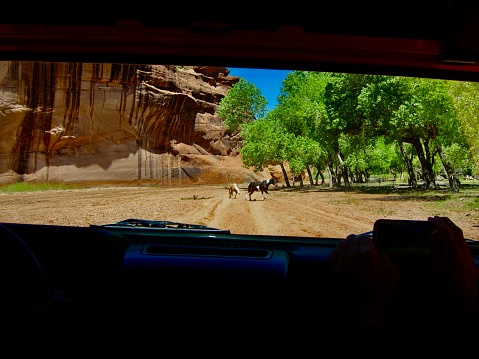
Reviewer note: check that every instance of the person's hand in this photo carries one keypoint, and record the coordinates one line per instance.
(454, 266)
(371, 274)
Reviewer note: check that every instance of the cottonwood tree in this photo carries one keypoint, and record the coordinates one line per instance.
(301, 112)
(300, 152)
(413, 111)
(264, 142)
(465, 96)
(345, 120)
(354, 125)
(432, 125)
(243, 103)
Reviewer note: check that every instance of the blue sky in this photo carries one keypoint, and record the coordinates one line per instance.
(268, 81)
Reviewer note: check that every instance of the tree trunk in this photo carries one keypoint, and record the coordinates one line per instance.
(322, 178)
(344, 171)
(453, 181)
(331, 176)
(308, 169)
(319, 174)
(285, 175)
(412, 180)
(426, 165)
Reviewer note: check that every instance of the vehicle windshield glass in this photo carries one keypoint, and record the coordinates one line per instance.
(253, 151)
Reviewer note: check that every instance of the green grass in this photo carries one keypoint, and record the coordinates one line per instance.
(466, 200)
(473, 204)
(32, 187)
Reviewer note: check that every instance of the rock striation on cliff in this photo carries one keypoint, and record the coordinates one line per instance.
(116, 123)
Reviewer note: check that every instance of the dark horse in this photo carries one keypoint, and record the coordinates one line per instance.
(260, 186)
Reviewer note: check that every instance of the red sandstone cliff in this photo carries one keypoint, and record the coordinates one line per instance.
(83, 122)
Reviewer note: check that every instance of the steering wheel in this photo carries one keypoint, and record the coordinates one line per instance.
(23, 284)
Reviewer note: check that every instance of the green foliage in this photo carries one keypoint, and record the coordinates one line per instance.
(242, 104)
(460, 159)
(376, 157)
(465, 97)
(263, 142)
(362, 122)
(300, 152)
(302, 113)
(301, 106)
(342, 100)
(378, 101)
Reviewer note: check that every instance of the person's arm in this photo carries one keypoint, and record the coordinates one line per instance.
(372, 279)
(372, 275)
(454, 267)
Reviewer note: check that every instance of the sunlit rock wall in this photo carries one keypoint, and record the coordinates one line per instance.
(85, 122)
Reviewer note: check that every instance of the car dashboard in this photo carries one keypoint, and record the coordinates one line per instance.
(194, 290)
(201, 290)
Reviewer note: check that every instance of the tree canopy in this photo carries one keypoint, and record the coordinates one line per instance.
(244, 103)
(355, 126)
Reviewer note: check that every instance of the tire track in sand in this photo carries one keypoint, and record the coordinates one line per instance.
(238, 215)
(286, 215)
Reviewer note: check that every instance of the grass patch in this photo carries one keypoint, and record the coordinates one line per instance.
(464, 201)
(473, 204)
(439, 199)
(34, 187)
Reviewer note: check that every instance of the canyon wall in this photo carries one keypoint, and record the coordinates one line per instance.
(116, 123)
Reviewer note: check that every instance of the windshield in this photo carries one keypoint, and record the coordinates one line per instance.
(305, 154)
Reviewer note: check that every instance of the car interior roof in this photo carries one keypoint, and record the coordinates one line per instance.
(411, 38)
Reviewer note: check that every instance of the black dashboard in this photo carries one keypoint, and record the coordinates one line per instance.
(150, 288)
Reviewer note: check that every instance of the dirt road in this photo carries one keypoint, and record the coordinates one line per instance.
(317, 212)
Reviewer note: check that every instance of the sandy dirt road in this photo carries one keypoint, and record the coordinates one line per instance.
(316, 212)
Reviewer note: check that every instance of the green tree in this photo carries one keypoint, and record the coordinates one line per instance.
(413, 111)
(300, 152)
(461, 160)
(243, 103)
(345, 122)
(302, 113)
(466, 99)
(265, 142)
(431, 126)
(357, 125)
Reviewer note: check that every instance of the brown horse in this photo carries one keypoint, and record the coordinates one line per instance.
(260, 186)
